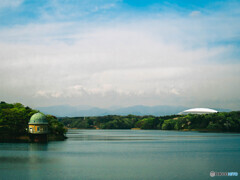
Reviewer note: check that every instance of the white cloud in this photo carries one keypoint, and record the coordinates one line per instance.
(174, 91)
(195, 13)
(152, 61)
(104, 7)
(11, 3)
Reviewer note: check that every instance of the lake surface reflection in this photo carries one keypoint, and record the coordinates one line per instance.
(123, 154)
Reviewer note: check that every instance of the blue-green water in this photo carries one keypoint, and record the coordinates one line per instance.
(123, 154)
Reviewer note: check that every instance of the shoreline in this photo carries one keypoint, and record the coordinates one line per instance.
(182, 130)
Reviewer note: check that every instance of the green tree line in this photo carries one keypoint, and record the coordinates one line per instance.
(222, 121)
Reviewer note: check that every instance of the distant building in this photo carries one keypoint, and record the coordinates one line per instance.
(199, 111)
(38, 124)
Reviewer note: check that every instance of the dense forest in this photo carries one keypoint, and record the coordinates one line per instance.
(14, 120)
(222, 121)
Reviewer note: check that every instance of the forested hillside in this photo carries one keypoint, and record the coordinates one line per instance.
(222, 121)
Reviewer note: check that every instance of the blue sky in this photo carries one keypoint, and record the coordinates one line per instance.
(107, 53)
(22, 12)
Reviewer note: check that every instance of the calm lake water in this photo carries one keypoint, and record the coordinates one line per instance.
(123, 154)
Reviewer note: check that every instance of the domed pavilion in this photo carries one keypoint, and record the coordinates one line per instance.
(38, 124)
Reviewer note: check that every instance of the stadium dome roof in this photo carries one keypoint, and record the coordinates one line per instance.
(38, 118)
(199, 111)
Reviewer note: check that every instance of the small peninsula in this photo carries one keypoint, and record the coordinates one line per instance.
(14, 124)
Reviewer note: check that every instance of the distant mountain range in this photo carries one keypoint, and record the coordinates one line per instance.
(80, 111)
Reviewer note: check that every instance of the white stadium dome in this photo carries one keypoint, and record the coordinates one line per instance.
(199, 111)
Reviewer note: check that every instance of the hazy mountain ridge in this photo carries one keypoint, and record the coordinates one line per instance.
(74, 111)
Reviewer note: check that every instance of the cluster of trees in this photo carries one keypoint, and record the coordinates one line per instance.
(14, 120)
(55, 127)
(222, 121)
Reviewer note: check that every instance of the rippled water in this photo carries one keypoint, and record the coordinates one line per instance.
(123, 154)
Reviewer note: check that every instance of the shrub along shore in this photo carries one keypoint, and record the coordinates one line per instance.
(216, 122)
(14, 120)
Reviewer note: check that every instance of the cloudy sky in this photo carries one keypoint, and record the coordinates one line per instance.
(120, 53)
